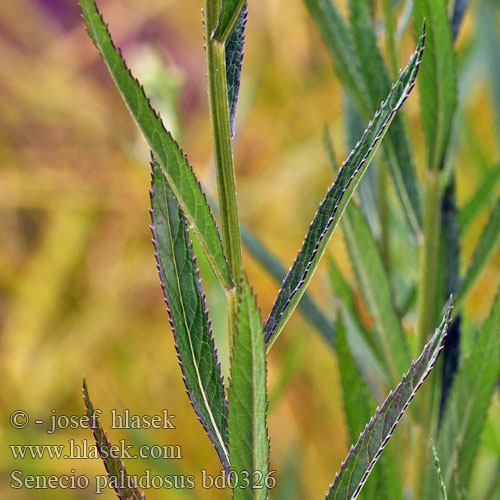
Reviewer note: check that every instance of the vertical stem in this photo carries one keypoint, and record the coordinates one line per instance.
(383, 204)
(428, 266)
(223, 153)
(427, 302)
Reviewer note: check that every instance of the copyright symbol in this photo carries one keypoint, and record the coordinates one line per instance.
(19, 419)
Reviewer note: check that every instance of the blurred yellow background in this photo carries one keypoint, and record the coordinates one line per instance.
(79, 291)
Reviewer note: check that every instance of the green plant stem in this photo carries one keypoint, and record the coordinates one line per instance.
(427, 301)
(223, 154)
(383, 203)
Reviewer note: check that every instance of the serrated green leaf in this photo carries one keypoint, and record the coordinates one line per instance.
(357, 408)
(375, 286)
(171, 159)
(437, 84)
(481, 198)
(234, 58)
(365, 453)
(271, 263)
(248, 438)
(188, 314)
(307, 306)
(466, 410)
(349, 62)
(228, 16)
(487, 243)
(122, 483)
(335, 201)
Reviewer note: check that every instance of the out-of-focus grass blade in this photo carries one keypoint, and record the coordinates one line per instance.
(188, 314)
(466, 410)
(368, 187)
(234, 59)
(483, 196)
(450, 271)
(376, 290)
(437, 465)
(487, 243)
(377, 82)
(437, 83)
(335, 201)
(248, 438)
(359, 339)
(356, 402)
(289, 487)
(291, 359)
(450, 233)
(122, 483)
(371, 442)
(337, 38)
(172, 161)
(357, 409)
(451, 358)
(488, 39)
(457, 16)
(228, 17)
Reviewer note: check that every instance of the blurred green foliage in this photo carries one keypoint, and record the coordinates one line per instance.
(79, 292)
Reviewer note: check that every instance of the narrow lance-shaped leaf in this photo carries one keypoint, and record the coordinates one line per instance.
(376, 290)
(438, 88)
(234, 59)
(248, 438)
(270, 262)
(123, 484)
(229, 13)
(487, 243)
(466, 410)
(338, 41)
(358, 407)
(172, 161)
(307, 306)
(364, 454)
(335, 201)
(188, 314)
